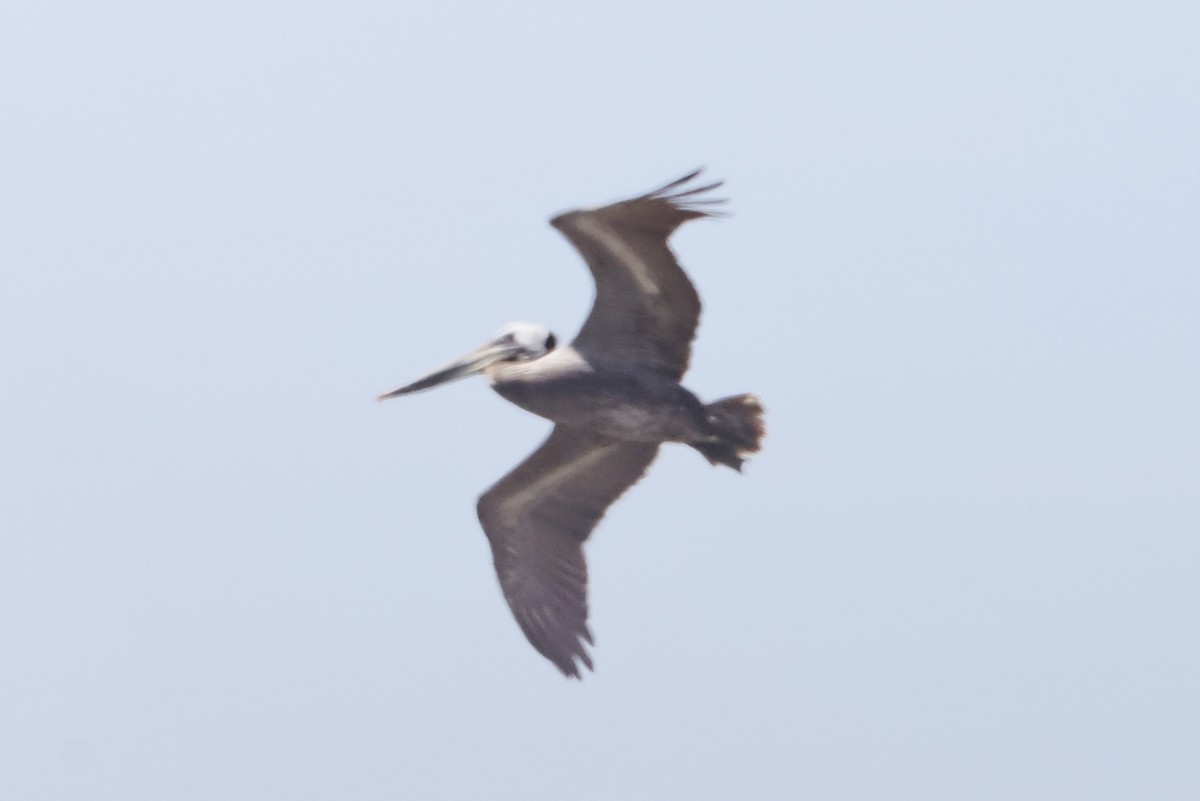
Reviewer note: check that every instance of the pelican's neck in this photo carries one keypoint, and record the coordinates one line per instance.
(557, 362)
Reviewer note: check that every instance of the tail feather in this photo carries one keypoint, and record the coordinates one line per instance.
(737, 430)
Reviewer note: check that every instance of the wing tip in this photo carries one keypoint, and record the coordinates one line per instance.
(570, 668)
(687, 201)
(559, 641)
(688, 198)
(666, 190)
(662, 190)
(569, 657)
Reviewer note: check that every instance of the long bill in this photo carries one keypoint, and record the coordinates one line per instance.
(468, 364)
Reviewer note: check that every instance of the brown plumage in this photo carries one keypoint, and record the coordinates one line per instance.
(614, 396)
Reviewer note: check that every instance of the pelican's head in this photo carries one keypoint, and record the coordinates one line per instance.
(530, 340)
(515, 342)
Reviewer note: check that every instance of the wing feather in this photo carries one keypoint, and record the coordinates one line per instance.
(646, 310)
(537, 518)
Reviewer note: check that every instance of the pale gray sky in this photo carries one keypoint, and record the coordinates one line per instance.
(963, 273)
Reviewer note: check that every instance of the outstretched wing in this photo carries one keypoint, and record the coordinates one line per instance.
(646, 310)
(537, 518)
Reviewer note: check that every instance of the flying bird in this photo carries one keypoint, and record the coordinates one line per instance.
(614, 397)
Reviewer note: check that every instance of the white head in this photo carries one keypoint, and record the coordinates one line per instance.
(530, 340)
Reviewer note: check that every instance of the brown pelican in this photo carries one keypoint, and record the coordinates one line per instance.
(614, 396)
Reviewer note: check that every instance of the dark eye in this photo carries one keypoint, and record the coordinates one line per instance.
(550, 342)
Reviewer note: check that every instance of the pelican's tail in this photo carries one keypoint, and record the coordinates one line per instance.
(737, 430)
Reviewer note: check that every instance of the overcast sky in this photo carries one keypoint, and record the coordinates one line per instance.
(962, 272)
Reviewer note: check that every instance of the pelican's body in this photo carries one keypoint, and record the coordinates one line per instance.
(614, 395)
(626, 404)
